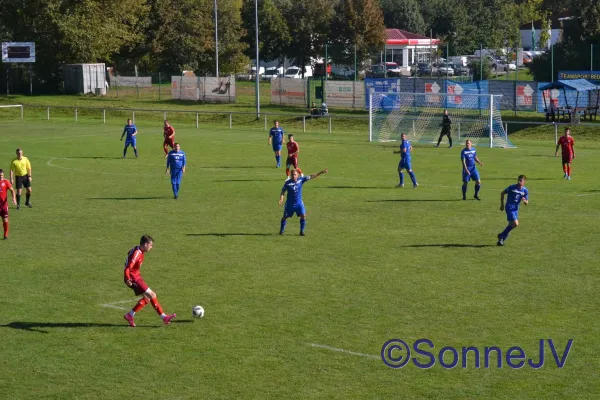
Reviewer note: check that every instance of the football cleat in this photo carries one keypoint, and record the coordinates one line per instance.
(129, 319)
(302, 234)
(476, 197)
(168, 318)
(500, 241)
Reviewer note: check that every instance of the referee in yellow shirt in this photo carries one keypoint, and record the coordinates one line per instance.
(20, 176)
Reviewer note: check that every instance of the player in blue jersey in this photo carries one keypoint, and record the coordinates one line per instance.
(276, 140)
(294, 204)
(131, 131)
(468, 156)
(516, 193)
(176, 164)
(405, 160)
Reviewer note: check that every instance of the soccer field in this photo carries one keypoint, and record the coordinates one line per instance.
(291, 317)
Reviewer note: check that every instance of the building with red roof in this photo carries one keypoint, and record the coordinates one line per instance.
(406, 48)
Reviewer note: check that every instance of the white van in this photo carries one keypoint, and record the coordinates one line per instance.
(272, 72)
(295, 72)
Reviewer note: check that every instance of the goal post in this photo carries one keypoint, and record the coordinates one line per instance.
(474, 116)
(9, 110)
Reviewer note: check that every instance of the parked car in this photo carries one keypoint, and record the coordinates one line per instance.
(421, 69)
(272, 72)
(296, 72)
(342, 72)
(501, 64)
(376, 71)
(461, 70)
(446, 69)
(393, 69)
(390, 69)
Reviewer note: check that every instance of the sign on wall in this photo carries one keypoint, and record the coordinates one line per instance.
(18, 52)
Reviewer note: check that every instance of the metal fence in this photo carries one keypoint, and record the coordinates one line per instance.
(293, 122)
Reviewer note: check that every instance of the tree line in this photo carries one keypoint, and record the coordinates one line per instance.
(176, 35)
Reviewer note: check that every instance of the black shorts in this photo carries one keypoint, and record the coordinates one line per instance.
(22, 181)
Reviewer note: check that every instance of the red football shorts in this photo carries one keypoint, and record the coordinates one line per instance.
(4, 211)
(292, 161)
(138, 285)
(567, 158)
(169, 142)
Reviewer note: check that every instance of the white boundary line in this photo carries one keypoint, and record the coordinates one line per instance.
(353, 353)
(112, 305)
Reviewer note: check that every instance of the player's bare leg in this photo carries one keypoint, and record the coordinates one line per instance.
(569, 171)
(565, 171)
(135, 151)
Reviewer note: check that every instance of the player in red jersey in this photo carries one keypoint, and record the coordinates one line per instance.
(169, 135)
(292, 158)
(134, 280)
(567, 144)
(4, 187)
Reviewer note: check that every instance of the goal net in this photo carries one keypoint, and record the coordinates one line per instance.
(419, 115)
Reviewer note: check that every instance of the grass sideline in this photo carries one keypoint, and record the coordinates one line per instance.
(378, 263)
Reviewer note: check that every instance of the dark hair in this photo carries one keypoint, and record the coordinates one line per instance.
(276, 121)
(1, 171)
(146, 239)
(290, 136)
(176, 144)
(522, 177)
(567, 129)
(19, 149)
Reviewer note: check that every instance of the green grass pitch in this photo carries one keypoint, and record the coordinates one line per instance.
(377, 263)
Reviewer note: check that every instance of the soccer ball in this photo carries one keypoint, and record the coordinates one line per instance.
(198, 312)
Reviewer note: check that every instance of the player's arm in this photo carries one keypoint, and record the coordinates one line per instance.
(478, 161)
(12, 174)
(28, 166)
(502, 199)
(573, 148)
(167, 170)
(525, 198)
(184, 164)
(556, 151)
(14, 199)
(282, 195)
(134, 133)
(464, 163)
(124, 132)
(313, 176)
(270, 138)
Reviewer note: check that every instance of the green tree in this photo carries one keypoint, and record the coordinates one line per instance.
(273, 32)
(183, 36)
(403, 14)
(356, 23)
(231, 49)
(309, 22)
(71, 31)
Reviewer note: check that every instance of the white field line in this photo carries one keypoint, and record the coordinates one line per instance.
(352, 353)
(113, 304)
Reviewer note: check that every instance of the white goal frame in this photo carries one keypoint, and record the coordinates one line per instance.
(493, 101)
(14, 106)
